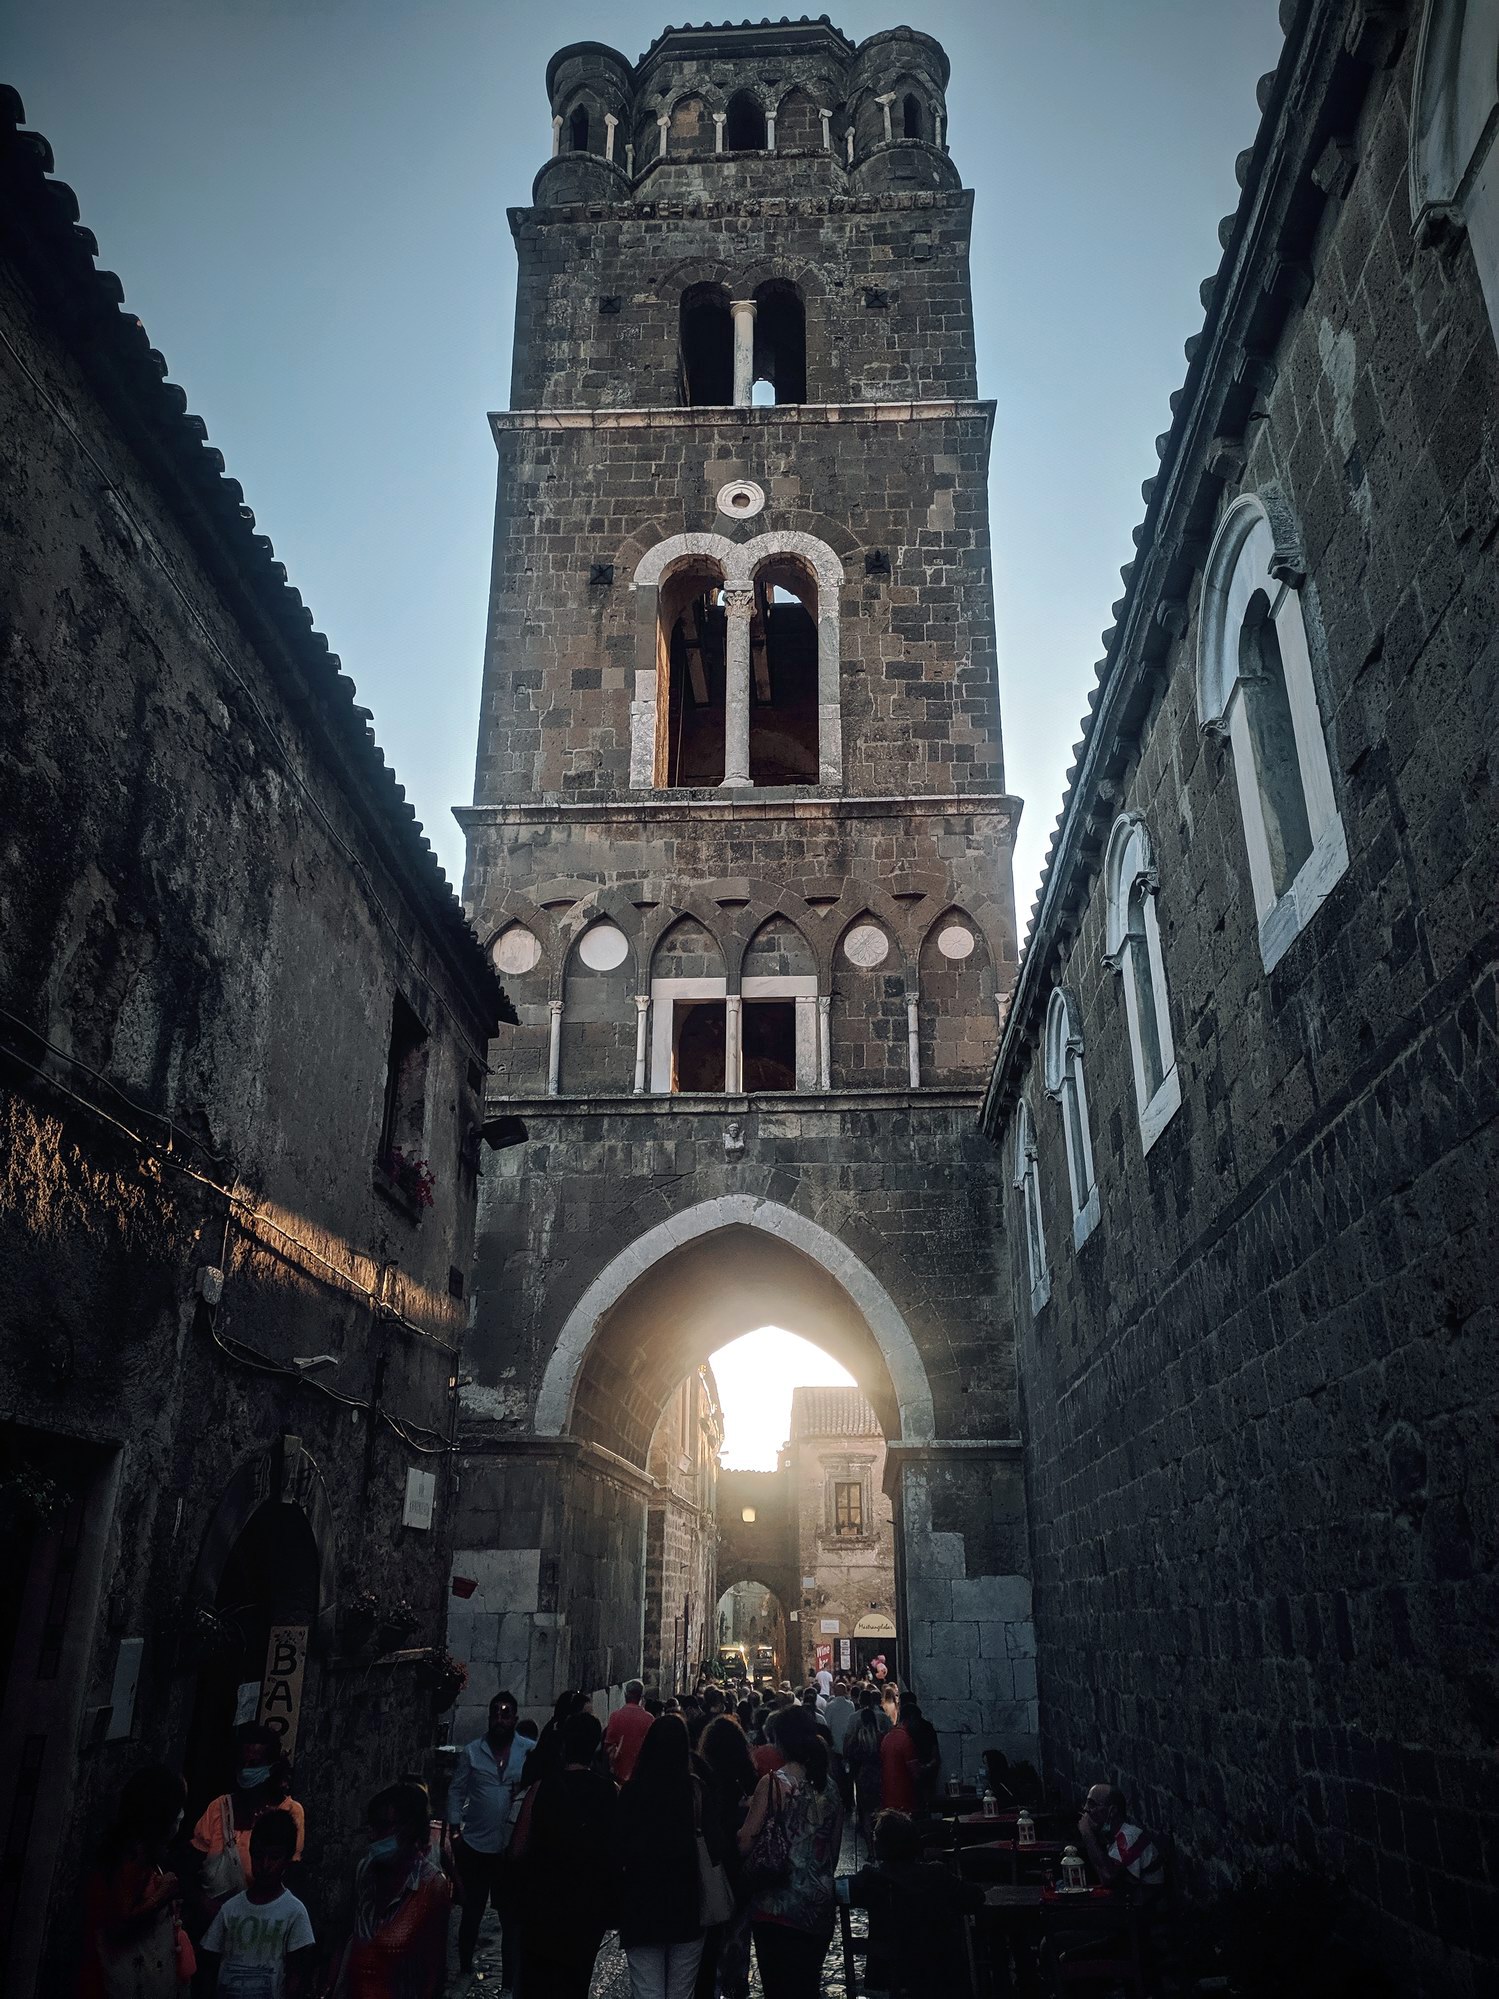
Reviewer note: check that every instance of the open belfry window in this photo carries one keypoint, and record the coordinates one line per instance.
(691, 664)
(783, 721)
(745, 131)
(706, 347)
(781, 341)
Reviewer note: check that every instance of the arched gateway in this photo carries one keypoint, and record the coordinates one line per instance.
(740, 842)
(559, 1560)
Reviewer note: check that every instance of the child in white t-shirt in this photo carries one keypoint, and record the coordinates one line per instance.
(260, 1942)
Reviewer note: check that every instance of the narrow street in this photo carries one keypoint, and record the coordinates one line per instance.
(611, 1977)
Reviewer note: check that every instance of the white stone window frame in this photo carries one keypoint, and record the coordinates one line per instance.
(1068, 1090)
(1129, 864)
(738, 563)
(665, 993)
(1454, 156)
(1033, 1228)
(1245, 559)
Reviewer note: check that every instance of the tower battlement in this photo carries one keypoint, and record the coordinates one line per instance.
(755, 108)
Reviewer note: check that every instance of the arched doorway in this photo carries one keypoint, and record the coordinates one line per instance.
(269, 1584)
(263, 1607)
(750, 1626)
(569, 1500)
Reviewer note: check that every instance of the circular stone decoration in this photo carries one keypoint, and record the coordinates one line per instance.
(741, 499)
(603, 947)
(516, 951)
(956, 941)
(866, 945)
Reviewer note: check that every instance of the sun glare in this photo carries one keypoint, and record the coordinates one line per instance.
(756, 1374)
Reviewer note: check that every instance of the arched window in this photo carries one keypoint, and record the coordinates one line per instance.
(1454, 170)
(577, 129)
(779, 1031)
(723, 660)
(781, 340)
(706, 347)
(689, 130)
(799, 122)
(1065, 1086)
(912, 124)
(691, 667)
(688, 1012)
(1028, 1185)
(1133, 941)
(1254, 686)
(783, 717)
(745, 130)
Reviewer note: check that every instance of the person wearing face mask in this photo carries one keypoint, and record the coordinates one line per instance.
(133, 1940)
(485, 1785)
(399, 1947)
(262, 1783)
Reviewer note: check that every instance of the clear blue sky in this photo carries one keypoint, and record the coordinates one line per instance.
(305, 200)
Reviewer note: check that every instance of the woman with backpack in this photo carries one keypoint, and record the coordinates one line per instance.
(790, 1841)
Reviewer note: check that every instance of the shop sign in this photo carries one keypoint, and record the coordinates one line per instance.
(281, 1689)
(875, 1624)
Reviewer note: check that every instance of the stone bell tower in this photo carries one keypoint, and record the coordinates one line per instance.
(740, 843)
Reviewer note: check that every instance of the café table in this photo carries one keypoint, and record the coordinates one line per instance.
(1020, 1916)
(1001, 1859)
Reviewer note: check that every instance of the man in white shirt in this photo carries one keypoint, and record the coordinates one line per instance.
(480, 1797)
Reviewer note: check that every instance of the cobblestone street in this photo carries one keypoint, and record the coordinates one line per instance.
(611, 1978)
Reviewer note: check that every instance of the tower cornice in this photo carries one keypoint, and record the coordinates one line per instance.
(569, 215)
(709, 416)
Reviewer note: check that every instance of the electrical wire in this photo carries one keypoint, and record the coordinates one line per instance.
(251, 1357)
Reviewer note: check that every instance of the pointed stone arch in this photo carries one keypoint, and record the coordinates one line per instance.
(909, 1388)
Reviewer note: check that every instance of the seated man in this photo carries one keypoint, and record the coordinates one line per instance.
(1121, 1855)
(916, 1909)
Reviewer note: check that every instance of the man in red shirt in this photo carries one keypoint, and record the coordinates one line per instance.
(627, 1729)
(898, 1770)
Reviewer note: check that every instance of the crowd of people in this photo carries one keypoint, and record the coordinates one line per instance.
(699, 1827)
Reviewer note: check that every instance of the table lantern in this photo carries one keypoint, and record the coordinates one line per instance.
(1025, 1829)
(1074, 1873)
(991, 1803)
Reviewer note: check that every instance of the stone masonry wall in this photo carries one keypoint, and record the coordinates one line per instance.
(884, 278)
(197, 971)
(1259, 1405)
(919, 684)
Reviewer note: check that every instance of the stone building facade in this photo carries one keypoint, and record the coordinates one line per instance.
(834, 1462)
(681, 1537)
(1246, 1093)
(233, 982)
(740, 838)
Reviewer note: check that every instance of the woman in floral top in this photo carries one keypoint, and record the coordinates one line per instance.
(792, 1917)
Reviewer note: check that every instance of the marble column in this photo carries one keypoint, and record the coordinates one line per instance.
(642, 1039)
(743, 310)
(554, 1050)
(739, 608)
